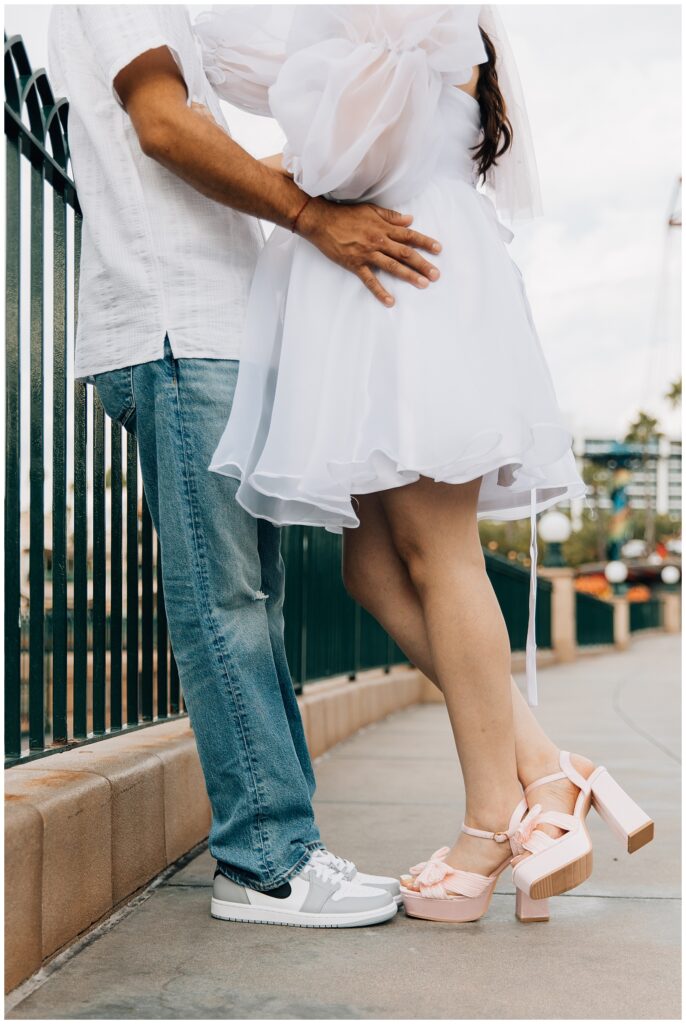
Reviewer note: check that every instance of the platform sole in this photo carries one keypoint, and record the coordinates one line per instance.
(449, 911)
(564, 879)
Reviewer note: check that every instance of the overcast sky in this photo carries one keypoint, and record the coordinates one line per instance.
(603, 88)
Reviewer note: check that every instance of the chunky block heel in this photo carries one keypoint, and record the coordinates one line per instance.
(528, 910)
(620, 813)
(558, 865)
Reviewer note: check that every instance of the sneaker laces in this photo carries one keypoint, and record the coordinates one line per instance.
(321, 863)
(337, 863)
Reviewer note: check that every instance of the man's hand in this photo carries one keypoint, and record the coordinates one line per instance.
(187, 141)
(364, 237)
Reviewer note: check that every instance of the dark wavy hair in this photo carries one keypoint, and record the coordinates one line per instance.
(495, 124)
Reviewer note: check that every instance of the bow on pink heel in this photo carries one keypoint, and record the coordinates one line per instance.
(436, 891)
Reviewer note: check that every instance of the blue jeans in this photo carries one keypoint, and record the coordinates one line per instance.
(223, 584)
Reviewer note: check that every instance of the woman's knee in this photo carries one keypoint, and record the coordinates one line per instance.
(414, 553)
(431, 558)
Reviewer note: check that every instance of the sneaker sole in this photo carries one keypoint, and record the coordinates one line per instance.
(222, 910)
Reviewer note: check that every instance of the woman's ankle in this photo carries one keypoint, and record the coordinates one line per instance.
(538, 764)
(493, 815)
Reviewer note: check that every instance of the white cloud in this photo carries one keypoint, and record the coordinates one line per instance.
(603, 90)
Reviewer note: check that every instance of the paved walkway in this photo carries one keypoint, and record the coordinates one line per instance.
(387, 797)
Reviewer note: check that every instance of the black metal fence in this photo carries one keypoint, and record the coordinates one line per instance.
(646, 614)
(594, 621)
(86, 646)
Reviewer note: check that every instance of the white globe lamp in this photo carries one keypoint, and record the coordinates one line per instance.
(616, 574)
(670, 575)
(554, 528)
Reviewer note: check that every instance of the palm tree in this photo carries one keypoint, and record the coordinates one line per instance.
(643, 431)
(673, 396)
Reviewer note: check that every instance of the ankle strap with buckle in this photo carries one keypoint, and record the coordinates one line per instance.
(522, 825)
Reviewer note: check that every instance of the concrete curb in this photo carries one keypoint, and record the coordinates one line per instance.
(88, 828)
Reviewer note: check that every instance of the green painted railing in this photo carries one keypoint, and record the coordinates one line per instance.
(511, 584)
(645, 614)
(87, 652)
(594, 621)
(327, 633)
(78, 664)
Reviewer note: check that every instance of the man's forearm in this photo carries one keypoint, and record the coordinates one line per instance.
(363, 238)
(198, 150)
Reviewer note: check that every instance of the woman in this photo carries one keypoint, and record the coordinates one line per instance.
(403, 426)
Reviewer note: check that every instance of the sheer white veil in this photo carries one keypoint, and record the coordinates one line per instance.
(513, 182)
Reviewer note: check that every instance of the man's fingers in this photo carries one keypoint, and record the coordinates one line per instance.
(393, 217)
(414, 238)
(411, 258)
(371, 281)
(400, 270)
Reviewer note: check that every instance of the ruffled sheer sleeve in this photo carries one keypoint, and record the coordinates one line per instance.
(243, 50)
(358, 94)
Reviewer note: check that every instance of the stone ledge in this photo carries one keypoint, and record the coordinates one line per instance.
(87, 828)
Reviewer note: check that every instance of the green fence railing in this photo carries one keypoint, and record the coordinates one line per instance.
(87, 652)
(73, 512)
(511, 585)
(645, 614)
(327, 633)
(594, 621)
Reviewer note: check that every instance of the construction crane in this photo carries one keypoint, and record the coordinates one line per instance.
(675, 206)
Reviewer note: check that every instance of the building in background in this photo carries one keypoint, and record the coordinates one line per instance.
(672, 486)
(655, 475)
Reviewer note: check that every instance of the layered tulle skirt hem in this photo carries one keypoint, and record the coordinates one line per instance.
(515, 483)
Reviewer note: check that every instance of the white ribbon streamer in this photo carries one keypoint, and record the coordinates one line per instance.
(531, 679)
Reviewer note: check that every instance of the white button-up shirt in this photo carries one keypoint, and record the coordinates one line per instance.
(158, 258)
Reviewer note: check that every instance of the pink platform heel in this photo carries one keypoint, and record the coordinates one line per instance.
(435, 891)
(557, 865)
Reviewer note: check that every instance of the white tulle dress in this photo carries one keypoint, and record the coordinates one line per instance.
(338, 395)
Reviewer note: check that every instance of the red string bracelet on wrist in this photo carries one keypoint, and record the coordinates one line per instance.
(297, 216)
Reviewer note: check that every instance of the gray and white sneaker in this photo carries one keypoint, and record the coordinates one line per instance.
(319, 896)
(349, 871)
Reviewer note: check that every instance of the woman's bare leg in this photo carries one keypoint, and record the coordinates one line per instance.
(378, 579)
(375, 575)
(434, 530)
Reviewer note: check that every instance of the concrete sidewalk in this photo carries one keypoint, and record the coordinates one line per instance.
(387, 798)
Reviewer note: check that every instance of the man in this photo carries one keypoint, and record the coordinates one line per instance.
(167, 258)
